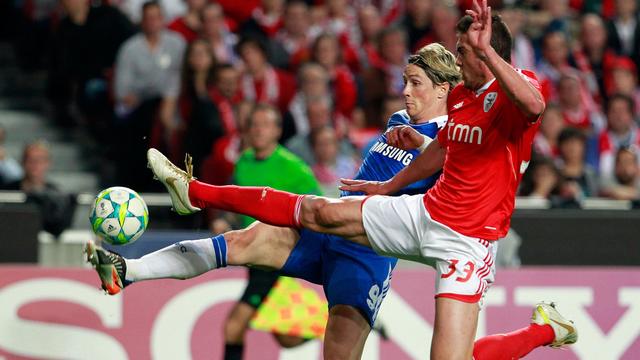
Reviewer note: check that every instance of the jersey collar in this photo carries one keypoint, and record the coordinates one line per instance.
(440, 120)
(484, 87)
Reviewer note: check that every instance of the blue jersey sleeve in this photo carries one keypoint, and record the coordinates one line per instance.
(383, 161)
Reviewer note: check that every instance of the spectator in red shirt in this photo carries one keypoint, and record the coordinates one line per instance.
(326, 52)
(261, 82)
(371, 24)
(545, 143)
(417, 22)
(594, 59)
(385, 78)
(189, 24)
(297, 34)
(201, 123)
(226, 94)
(443, 21)
(555, 62)
(624, 80)
(265, 19)
(577, 109)
(216, 32)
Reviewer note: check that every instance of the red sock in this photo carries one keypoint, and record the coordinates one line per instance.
(265, 204)
(513, 345)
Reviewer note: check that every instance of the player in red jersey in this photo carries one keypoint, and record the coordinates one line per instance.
(483, 152)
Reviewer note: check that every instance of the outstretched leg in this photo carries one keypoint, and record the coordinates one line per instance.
(258, 245)
(341, 217)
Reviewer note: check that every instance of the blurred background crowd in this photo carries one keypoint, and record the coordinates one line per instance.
(183, 76)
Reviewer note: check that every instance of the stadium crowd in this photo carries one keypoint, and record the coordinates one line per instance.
(182, 76)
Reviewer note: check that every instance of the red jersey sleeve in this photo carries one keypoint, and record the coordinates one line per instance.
(531, 78)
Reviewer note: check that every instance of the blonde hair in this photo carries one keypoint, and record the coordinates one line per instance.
(438, 63)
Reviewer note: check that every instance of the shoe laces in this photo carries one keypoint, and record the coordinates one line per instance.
(116, 260)
(188, 165)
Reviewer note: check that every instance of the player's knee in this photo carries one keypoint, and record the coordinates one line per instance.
(317, 212)
(338, 351)
(237, 246)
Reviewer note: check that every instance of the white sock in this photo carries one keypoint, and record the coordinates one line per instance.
(182, 260)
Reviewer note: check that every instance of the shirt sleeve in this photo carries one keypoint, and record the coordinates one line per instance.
(511, 107)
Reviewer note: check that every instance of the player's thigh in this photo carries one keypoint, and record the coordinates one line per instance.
(260, 245)
(307, 259)
(346, 333)
(396, 225)
(342, 217)
(454, 330)
(355, 275)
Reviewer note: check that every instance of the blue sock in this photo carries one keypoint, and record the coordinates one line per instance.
(220, 249)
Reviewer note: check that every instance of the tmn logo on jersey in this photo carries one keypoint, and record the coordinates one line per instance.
(489, 100)
(464, 133)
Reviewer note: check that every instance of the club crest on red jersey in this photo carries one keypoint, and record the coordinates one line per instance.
(489, 100)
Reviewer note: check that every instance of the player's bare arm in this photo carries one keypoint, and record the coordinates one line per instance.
(526, 97)
(425, 165)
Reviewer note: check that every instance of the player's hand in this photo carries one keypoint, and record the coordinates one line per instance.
(479, 33)
(404, 137)
(367, 187)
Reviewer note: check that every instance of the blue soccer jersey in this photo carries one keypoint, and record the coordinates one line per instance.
(353, 274)
(384, 161)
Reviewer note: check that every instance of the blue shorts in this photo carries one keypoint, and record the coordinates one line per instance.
(351, 274)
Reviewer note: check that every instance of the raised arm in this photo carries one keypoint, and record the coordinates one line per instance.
(526, 97)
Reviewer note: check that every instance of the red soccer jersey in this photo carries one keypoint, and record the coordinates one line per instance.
(488, 142)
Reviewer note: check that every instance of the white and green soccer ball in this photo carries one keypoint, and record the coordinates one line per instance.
(119, 215)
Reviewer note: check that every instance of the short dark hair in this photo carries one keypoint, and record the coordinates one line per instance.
(570, 133)
(390, 30)
(501, 39)
(622, 97)
(265, 107)
(252, 41)
(151, 3)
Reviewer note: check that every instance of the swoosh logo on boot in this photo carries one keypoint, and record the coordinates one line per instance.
(171, 182)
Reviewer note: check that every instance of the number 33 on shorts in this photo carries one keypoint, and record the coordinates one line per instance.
(464, 279)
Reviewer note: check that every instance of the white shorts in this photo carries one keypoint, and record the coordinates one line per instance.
(400, 226)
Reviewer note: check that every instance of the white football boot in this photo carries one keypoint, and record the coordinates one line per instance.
(565, 331)
(174, 179)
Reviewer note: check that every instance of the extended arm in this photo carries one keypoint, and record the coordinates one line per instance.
(425, 165)
(526, 97)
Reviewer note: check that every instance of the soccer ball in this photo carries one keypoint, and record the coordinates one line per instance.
(119, 215)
